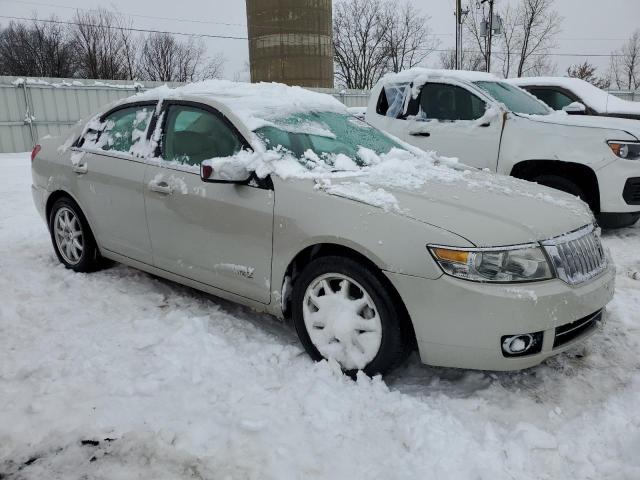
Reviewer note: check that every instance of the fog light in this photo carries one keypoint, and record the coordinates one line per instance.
(523, 344)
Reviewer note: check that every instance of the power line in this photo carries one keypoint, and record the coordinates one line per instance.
(232, 37)
(153, 17)
(130, 29)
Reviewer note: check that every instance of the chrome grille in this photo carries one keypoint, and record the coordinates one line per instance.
(577, 256)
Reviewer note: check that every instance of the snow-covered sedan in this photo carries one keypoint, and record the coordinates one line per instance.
(490, 123)
(277, 198)
(578, 97)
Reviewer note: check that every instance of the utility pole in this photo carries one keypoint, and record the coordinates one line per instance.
(489, 36)
(458, 34)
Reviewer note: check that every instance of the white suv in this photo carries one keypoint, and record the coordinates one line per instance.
(489, 123)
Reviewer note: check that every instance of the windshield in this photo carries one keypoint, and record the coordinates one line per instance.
(514, 98)
(327, 134)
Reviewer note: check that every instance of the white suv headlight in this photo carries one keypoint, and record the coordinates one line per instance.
(626, 150)
(520, 263)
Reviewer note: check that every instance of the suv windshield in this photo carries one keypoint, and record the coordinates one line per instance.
(516, 100)
(325, 133)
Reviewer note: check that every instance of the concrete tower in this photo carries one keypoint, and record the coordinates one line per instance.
(290, 41)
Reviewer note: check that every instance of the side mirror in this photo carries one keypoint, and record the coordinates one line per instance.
(217, 171)
(575, 108)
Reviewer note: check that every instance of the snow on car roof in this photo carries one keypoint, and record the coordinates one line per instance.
(422, 75)
(256, 104)
(592, 96)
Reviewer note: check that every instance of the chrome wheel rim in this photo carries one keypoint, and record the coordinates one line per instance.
(342, 321)
(67, 232)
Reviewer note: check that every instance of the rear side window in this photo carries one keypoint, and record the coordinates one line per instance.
(194, 134)
(121, 130)
(439, 101)
(392, 100)
(554, 98)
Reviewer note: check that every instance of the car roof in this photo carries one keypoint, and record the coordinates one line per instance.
(255, 104)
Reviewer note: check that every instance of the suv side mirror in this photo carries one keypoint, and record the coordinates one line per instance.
(216, 171)
(575, 108)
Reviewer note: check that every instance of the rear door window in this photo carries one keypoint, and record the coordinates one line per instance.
(120, 130)
(194, 134)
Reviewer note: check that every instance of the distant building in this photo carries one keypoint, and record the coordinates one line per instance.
(290, 41)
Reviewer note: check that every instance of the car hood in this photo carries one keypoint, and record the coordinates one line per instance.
(610, 123)
(486, 209)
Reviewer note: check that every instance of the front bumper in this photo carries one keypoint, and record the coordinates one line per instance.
(612, 182)
(460, 323)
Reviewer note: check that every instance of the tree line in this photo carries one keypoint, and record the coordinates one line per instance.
(100, 44)
(373, 37)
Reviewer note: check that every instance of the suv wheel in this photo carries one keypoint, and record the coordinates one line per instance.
(343, 312)
(562, 184)
(72, 239)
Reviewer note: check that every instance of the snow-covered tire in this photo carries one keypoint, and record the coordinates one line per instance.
(343, 311)
(72, 238)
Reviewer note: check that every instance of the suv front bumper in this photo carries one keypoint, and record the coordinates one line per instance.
(460, 323)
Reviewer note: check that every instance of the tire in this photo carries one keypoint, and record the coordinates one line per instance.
(563, 184)
(617, 220)
(72, 239)
(362, 329)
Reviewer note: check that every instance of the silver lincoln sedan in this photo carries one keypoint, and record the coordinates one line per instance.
(276, 198)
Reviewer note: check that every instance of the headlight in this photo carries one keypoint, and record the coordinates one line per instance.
(626, 150)
(511, 264)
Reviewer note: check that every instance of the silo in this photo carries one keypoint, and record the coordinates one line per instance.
(290, 41)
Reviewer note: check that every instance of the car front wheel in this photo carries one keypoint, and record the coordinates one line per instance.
(71, 236)
(343, 312)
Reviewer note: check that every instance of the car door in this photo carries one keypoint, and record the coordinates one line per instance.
(109, 179)
(446, 118)
(219, 234)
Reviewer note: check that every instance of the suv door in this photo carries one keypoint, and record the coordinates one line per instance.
(444, 118)
(218, 234)
(109, 179)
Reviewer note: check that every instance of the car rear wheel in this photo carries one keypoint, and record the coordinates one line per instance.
(343, 312)
(72, 239)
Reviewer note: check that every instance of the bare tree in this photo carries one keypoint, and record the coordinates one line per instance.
(625, 64)
(41, 49)
(587, 72)
(165, 59)
(528, 35)
(359, 31)
(103, 45)
(539, 25)
(471, 60)
(408, 39)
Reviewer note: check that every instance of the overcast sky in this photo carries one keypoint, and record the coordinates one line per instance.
(590, 27)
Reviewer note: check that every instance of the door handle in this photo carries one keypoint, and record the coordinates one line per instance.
(160, 187)
(420, 134)
(81, 168)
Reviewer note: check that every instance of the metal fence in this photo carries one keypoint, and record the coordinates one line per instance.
(35, 107)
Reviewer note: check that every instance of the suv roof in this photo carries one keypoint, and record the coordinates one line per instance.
(422, 75)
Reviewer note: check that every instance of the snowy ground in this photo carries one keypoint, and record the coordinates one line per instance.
(175, 384)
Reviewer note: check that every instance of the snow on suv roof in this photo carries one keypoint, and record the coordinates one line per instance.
(422, 75)
(254, 103)
(599, 100)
